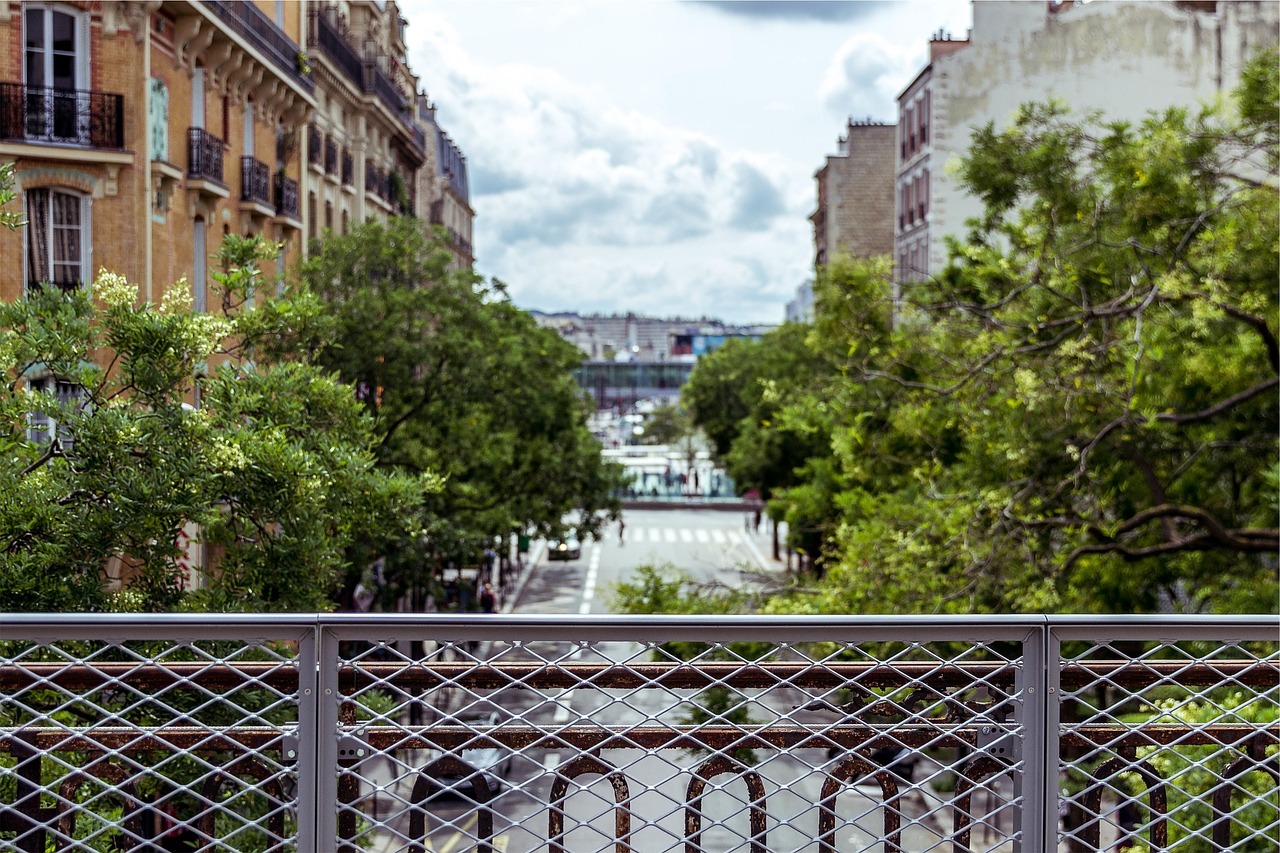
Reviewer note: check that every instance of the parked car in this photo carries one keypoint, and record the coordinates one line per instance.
(492, 762)
(567, 548)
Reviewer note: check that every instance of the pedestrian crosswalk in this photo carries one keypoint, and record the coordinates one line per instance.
(672, 535)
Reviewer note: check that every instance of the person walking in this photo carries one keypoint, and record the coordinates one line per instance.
(622, 526)
(488, 598)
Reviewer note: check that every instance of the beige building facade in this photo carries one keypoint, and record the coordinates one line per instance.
(1122, 58)
(141, 132)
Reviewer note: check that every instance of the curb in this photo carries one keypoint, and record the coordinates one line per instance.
(509, 602)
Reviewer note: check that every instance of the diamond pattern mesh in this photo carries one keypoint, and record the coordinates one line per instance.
(1169, 745)
(680, 745)
(336, 735)
(147, 745)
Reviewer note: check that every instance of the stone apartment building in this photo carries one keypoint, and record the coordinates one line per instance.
(142, 131)
(1120, 57)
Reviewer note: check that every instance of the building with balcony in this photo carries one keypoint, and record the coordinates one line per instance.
(141, 132)
(855, 198)
(365, 145)
(1123, 59)
(444, 189)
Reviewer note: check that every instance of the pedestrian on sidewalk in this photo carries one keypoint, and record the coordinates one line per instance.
(488, 598)
(622, 527)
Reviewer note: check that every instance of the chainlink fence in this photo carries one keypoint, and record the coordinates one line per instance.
(340, 733)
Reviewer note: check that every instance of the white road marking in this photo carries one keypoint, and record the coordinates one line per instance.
(655, 535)
(734, 537)
(686, 535)
(718, 536)
(702, 535)
(593, 575)
(670, 534)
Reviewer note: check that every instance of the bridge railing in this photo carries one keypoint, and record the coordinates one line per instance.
(414, 733)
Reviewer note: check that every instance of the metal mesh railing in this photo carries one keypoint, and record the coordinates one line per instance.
(414, 733)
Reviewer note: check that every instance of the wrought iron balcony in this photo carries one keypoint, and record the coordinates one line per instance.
(315, 145)
(61, 116)
(255, 181)
(331, 156)
(286, 197)
(324, 33)
(377, 82)
(255, 27)
(348, 168)
(204, 155)
(344, 732)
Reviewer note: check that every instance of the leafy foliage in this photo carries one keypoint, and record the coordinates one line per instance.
(1078, 413)
(459, 382)
(105, 467)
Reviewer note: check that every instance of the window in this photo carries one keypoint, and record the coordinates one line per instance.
(55, 65)
(57, 235)
(197, 97)
(248, 128)
(199, 277)
(42, 428)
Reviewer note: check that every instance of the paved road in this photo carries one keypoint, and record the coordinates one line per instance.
(713, 545)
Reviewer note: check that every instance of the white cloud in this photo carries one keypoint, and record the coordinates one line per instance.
(582, 204)
(866, 75)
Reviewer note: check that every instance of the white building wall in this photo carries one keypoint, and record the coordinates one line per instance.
(1124, 58)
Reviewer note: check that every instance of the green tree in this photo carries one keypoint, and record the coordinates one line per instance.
(1079, 412)
(105, 461)
(744, 398)
(459, 382)
(666, 424)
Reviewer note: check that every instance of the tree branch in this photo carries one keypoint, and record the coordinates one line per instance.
(1223, 406)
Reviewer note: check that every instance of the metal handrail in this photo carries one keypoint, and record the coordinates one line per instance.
(1003, 704)
(81, 117)
(255, 27)
(255, 181)
(204, 155)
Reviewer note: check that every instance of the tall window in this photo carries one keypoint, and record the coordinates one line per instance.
(57, 238)
(199, 285)
(55, 64)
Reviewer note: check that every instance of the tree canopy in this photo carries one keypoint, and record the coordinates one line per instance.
(1080, 411)
(458, 382)
(106, 462)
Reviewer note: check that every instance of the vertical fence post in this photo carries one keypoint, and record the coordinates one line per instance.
(326, 742)
(309, 803)
(1036, 766)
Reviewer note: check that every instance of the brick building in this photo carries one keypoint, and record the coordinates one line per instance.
(142, 132)
(855, 196)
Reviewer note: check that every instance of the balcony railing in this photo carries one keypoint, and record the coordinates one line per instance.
(348, 168)
(286, 197)
(255, 181)
(255, 27)
(61, 116)
(204, 155)
(376, 181)
(331, 156)
(343, 732)
(325, 35)
(377, 82)
(315, 145)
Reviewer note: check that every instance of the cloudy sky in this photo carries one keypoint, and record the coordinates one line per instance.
(658, 156)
